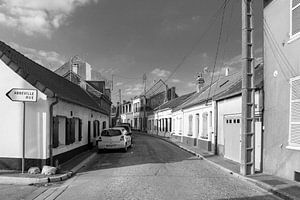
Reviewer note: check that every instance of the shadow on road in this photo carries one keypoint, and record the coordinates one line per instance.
(145, 150)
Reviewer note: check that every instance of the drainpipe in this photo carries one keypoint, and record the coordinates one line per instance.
(51, 130)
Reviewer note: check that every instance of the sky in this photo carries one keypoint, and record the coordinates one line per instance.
(171, 40)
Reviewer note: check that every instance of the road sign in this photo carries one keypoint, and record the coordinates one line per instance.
(24, 95)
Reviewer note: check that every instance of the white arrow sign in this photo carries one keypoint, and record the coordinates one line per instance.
(16, 94)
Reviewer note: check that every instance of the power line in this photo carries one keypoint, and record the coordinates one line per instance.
(211, 22)
(197, 43)
(218, 46)
(225, 45)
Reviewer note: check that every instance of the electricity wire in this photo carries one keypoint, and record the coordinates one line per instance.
(218, 47)
(211, 22)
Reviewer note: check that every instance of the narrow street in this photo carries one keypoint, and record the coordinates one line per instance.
(155, 169)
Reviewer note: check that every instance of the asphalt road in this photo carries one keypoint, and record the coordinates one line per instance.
(156, 169)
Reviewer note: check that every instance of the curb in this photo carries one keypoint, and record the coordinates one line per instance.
(61, 177)
(263, 186)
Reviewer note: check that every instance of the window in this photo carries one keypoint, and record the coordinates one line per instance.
(103, 125)
(204, 126)
(190, 125)
(180, 126)
(173, 125)
(294, 126)
(295, 18)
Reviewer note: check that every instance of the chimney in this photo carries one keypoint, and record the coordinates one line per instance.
(200, 83)
(226, 71)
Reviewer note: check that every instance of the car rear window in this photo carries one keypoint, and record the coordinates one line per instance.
(111, 133)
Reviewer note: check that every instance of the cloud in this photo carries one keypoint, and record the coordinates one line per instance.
(136, 89)
(175, 80)
(38, 16)
(161, 72)
(48, 59)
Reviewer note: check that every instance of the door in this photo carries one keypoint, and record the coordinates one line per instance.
(232, 138)
(258, 150)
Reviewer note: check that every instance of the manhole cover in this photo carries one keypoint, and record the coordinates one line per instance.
(273, 182)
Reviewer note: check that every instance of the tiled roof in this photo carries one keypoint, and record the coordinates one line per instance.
(217, 87)
(236, 89)
(45, 80)
(174, 102)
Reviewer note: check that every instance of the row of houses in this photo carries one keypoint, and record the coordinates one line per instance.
(71, 109)
(210, 118)
(136, 110)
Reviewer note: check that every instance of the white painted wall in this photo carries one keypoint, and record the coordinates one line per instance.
(64, 109)
(198, 109)
(37, 120)
(231, 106)
(178, 117)
(11, 118)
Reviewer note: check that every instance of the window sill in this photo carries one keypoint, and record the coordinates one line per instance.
(293, 148)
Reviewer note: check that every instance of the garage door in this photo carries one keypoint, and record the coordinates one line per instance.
(232, 138)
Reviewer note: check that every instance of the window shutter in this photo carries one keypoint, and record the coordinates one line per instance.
(79, 130)
(68, 131)
(55, 132)
(294, 138)
(72, 136)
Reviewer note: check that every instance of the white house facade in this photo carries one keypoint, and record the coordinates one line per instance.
(62, 122)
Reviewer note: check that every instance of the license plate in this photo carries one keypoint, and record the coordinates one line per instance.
(110, 145)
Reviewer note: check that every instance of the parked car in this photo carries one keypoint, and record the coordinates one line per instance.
(127, 126)
(114, 138)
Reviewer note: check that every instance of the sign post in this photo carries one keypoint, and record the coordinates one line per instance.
(23, 95)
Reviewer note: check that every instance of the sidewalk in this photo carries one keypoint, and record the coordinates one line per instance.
(282, 188)
(67, 170)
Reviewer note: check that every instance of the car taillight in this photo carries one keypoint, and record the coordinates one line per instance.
(122, 138)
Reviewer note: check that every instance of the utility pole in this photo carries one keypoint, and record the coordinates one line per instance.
(144, 120)
(248, 92)
(120, 109)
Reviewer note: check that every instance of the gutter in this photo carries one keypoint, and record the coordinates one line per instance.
(51, 129)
